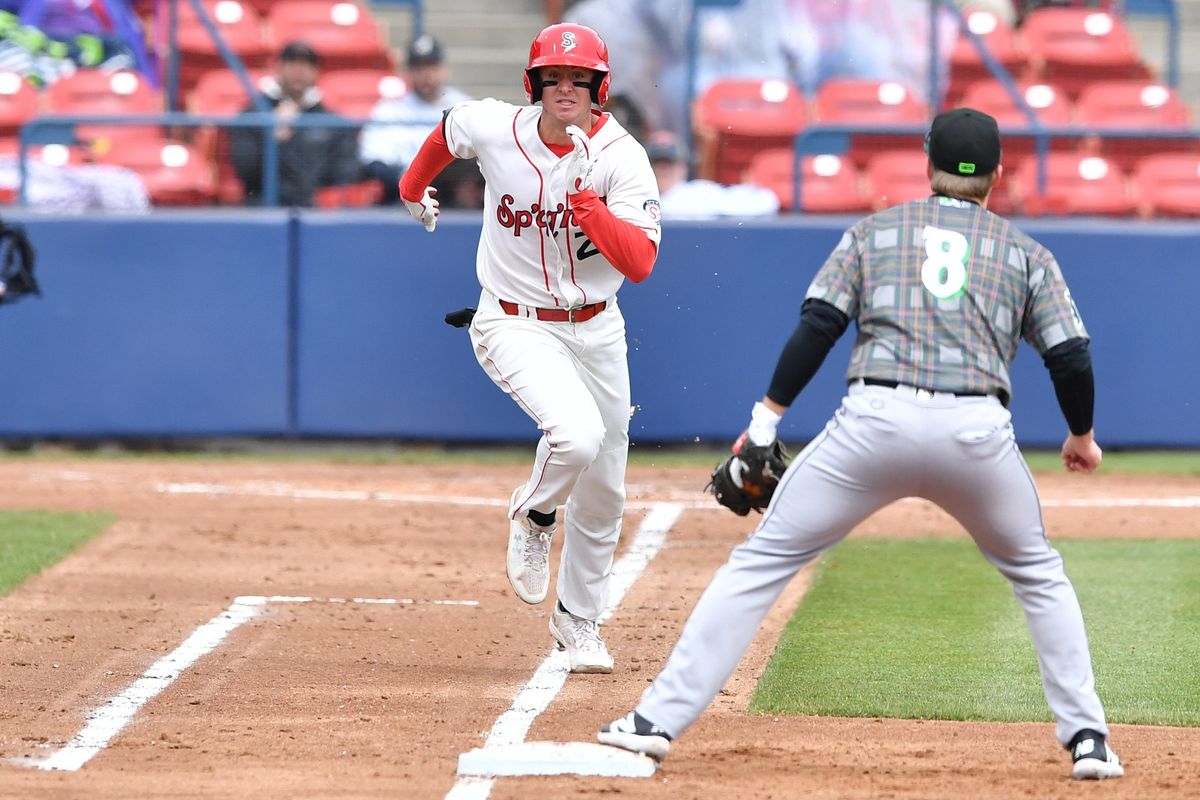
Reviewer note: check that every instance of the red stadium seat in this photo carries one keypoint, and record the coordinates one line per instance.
(1076, 183)
(219, 92)
(239, 25)
(344, 33)
(351, 195)
(1051, 106)
(967, 66)
(18, 102)
(853, 101)
(174, 173)
(94, 91)
(1134, 104)
(829, 184)
(896, 177)
(738, 118)
(1168, 185)
(1071, 47)
(354, 92)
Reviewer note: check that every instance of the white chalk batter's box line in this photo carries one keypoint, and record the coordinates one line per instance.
(277, 489)
(107, 721)
(504, 751)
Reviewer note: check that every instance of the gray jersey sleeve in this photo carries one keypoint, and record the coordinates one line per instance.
(839, 281)
(1051, 317)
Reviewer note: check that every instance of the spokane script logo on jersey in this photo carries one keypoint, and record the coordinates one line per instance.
(551, 220)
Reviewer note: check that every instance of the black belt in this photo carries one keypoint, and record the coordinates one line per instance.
(895, 384)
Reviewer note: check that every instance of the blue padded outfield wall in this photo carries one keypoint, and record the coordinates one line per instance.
(272, 323)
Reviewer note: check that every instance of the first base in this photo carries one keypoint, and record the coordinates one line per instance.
(555, 758)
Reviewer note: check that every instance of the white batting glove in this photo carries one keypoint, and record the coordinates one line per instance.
(426, 210)
(579, 168)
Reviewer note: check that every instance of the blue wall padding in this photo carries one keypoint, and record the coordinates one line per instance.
(330, 324)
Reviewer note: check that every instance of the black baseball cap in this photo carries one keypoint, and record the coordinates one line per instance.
(425, 50)
(964, 141)
(299, 51)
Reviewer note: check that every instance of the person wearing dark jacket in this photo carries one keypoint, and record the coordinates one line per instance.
(309, 157)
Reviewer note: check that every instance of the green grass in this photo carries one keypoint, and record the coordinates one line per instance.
(700, 456)
(926, 629)
(30, 541)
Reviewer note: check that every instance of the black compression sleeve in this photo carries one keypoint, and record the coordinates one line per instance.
(1070, 365)
(820, 327)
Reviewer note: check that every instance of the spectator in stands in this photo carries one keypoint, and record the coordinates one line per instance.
(628, 112)
(700, 199)
(309, 157)
(47, 39)
(387, 149)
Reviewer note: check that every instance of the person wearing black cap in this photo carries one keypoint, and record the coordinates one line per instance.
(387, 148)
(942, 291)
(309, 157)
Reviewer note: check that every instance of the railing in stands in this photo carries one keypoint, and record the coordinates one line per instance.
(1170, 14)
(414, 6)
(60, 129)
(824, 139)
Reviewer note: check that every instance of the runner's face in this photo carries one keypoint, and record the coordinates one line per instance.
(567, 95)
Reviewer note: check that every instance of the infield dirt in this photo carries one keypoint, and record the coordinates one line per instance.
(342, 700)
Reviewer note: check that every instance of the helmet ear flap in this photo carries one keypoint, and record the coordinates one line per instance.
(533, 87)
(600, 84)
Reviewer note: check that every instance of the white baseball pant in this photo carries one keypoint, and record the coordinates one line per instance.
(572, 379)
(881, 445)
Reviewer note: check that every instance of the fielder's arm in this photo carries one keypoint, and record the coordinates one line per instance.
(821, 325)
(1070, 366)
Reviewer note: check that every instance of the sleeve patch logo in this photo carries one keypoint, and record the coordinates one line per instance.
(652, 208)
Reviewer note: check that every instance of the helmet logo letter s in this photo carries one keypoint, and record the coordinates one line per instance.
(568, 41)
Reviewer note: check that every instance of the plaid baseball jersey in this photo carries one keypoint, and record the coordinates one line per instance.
(942, 292)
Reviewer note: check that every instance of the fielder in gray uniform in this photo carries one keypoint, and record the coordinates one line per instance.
(942, 292)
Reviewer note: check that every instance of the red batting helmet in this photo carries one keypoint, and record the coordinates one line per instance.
(568, 45)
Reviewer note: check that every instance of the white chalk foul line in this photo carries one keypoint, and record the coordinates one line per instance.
(107, 721)
(703, 503)
(513, 725)
(110, 719)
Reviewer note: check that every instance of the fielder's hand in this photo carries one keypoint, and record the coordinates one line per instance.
(426, 210)
(746, 480)
(579, 168)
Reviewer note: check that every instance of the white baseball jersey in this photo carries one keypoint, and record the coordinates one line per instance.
(532, 251)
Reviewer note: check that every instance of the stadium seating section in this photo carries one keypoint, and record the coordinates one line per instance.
(1068, 70)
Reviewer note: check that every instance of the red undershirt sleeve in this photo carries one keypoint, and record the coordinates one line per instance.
(433, 157)
(625, 245)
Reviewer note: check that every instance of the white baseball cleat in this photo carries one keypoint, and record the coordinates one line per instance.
(1094, 759)
(581, 639)
(528, 556)
(636, 733)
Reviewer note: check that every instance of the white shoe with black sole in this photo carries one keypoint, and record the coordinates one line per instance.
(637, 734)
(1094, 759)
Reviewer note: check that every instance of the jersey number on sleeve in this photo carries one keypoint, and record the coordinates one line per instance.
(944, 272)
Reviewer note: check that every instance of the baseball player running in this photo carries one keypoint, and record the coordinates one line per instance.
(571, 210)
(942, 291)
